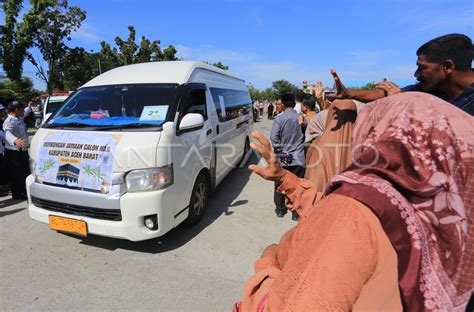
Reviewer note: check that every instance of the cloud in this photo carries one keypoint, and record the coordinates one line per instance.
(87, 33)
(359, 66)
(262, 74)
(437, 20)
(373, 65)
(256, 15)
(441, 21)
(369, 57)
(210, 54)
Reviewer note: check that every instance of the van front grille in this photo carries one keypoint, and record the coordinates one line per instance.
(96, 213)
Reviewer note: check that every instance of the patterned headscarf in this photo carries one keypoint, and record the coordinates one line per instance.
(413, 165)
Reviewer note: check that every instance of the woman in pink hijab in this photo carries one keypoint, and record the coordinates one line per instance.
(393, 231)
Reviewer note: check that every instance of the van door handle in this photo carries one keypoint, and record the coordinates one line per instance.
(242, 123)
(217, 129)
(209, 132)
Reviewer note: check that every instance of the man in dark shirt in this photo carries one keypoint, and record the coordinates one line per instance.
(444, 70)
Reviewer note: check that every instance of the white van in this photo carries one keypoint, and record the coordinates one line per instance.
(136, 151)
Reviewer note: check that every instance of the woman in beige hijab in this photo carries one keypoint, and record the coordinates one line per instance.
(331, 152)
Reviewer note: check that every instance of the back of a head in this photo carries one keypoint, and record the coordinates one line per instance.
(300, 96)
(310, 104)
(14, 105)
(455, 47)
(288, 100)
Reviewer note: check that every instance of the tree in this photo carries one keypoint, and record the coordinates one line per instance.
(129, 52)
(368, 86)
(78, 66)
(21, 90)
(15, 40)
(284, 86)
(45, 26)
(54, 25)
(220, 65)
(254, 92)
(261, 95)
(269, 94)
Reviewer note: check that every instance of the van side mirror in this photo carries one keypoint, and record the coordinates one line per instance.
(191, 122)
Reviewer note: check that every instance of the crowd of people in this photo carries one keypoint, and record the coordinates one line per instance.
(381, 183)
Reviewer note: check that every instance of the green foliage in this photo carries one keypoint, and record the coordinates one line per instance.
(254, 92)
(21, 90)
(129, 52)
(46, 26)
(270, 94)
(284, 86)
(54, 25)
(267, 94)
(369, 86)
(15, 40)
(78, 66)
(220, 65)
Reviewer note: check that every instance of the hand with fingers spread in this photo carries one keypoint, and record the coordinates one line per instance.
(274, 171)
(389, 87)
(341, 91)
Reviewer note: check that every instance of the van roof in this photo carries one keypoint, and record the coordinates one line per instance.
(153, 72)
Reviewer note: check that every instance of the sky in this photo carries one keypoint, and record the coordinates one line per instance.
(263, 40)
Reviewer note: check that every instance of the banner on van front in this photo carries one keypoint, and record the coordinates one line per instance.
(81, 161)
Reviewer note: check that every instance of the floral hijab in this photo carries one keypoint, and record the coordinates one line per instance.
(413, 165)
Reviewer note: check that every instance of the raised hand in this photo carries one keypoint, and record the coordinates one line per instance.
(341, 91)
(274, 171)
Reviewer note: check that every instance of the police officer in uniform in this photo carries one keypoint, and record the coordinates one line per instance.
(16, 150)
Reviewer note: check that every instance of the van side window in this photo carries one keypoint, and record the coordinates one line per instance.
(196, 103)
(231, 104)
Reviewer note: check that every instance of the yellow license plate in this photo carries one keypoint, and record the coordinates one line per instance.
(68, 225)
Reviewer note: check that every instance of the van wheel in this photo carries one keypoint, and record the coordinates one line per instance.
(198, 202)
(246, 150)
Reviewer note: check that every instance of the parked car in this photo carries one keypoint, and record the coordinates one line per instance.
(52, 105)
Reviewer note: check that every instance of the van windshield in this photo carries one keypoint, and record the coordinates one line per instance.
(116, 106)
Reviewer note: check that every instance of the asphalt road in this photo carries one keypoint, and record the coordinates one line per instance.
(200, 268)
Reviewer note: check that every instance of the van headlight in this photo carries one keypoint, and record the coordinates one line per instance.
(32, 166)
(149, 179)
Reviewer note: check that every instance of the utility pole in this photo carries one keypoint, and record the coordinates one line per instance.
(100, 69)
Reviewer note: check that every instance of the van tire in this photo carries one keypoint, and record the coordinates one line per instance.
(197, 204)
(246, 150)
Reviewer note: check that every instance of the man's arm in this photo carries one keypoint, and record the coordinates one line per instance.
(365, 95)
(9, 136)
(275, 136)
(383, 89)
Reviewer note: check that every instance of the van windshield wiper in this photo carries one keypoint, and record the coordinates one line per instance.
(129, 126)
(69, 124)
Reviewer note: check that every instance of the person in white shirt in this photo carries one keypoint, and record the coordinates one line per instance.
(16, 150)
(300, 96)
